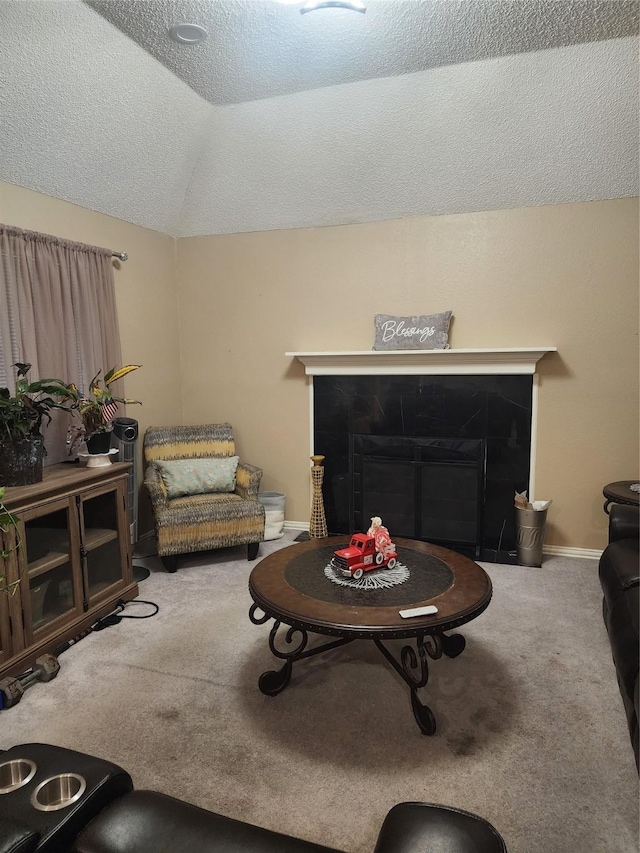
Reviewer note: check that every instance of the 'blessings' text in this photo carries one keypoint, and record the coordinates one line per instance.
(392, 329)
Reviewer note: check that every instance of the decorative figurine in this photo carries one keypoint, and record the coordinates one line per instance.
(318, 522)
(371, 550)
(381, 535)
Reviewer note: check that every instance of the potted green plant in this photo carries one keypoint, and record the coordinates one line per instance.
(97, 410)
(21, 420)
(7, 520)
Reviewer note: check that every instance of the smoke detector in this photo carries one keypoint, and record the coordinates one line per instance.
(188, 33)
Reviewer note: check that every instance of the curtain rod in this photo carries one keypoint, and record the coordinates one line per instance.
(122, 255)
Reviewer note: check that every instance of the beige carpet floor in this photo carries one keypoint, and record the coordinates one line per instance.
(531, 730)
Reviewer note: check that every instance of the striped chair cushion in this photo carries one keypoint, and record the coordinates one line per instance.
(188, 442)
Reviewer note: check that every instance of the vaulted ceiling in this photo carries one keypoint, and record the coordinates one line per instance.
(258, 49)
(281, 120)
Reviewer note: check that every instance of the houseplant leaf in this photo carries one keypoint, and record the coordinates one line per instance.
(117, 373)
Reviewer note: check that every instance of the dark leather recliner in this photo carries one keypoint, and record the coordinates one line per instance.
(110, 817)
(147, 822)
(619, 572)
(46, 774)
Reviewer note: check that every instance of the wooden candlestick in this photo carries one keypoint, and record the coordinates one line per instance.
(317, 522)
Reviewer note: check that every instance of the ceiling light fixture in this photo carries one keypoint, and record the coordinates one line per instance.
(353, 5)
(188, 33)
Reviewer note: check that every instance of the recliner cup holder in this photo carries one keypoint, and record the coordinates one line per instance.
(58, 792)
(15, 774)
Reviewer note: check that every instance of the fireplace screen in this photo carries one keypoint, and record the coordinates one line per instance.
(439, 458)
(423, 488)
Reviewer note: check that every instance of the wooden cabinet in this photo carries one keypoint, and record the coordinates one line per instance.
(73, 559)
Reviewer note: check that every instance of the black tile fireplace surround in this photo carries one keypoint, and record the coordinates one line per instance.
(439, 457)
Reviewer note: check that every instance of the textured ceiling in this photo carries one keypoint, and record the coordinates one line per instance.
(88, 116)
(539, 128)
(262, 48)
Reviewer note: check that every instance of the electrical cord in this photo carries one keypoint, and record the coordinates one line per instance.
(115, 617)
(140, 601)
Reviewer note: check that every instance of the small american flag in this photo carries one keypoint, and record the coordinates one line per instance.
(109, 411)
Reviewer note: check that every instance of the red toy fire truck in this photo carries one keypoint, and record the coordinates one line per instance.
(361, 555)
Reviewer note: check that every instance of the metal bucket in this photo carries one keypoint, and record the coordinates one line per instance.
(529, 535)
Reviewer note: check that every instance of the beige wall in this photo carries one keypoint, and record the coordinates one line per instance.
(563, 275)
(145, 291)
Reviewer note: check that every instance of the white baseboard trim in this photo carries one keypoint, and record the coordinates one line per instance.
(565, 551)
(550, 550)
(296, 525)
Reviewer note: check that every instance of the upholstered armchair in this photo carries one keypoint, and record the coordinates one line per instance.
(200, 504)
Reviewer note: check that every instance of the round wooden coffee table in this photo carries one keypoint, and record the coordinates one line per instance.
(297, 587)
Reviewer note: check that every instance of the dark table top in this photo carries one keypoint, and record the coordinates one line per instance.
(620, 492)
(291, 585)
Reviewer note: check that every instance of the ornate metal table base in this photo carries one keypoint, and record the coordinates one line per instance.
(412, 668)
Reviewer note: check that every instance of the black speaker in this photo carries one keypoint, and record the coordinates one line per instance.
(125, 429)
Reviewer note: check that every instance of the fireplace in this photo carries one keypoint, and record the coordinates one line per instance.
(424, 488)
(435, 442)
(439, 458)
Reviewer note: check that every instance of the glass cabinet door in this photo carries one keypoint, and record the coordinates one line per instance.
(101, 517)
(54, 591)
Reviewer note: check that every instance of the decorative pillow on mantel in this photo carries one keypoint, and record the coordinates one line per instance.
(198, 476)
(422, 331)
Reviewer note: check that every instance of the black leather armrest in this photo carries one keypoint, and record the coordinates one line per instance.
(422, 827)
(17, 838)
(619, 568)
(57, 829)
(150, 822)
(624, 522)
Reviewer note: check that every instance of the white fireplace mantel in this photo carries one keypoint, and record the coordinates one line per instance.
(462, 362)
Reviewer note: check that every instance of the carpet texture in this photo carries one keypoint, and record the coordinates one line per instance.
(531, 730)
